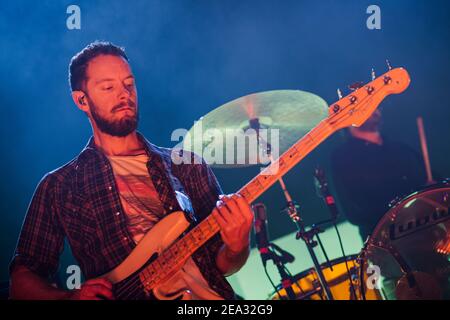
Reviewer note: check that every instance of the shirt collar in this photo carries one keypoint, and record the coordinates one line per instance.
(150, 149)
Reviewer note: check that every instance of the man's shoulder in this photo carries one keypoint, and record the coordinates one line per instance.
(64, 172)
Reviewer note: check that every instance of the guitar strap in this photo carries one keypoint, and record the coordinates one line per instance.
(181, 195)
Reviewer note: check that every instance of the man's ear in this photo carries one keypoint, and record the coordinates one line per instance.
(79, 98)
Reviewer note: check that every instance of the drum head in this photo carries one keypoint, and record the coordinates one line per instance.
(413, 238)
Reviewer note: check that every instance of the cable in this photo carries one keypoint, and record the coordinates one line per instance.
(345, 259)
(271, 282)
(295, 282)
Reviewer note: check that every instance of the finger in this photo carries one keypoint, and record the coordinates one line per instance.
(223, 224)
(223, 210)
(234, 211)
(245, 208)
(238, 216)
(220, 220)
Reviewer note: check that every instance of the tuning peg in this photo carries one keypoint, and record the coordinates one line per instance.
(388, 64)
(372, 74)
(339, 93)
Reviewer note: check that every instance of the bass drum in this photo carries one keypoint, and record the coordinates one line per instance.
(410, 247)
(307, 285)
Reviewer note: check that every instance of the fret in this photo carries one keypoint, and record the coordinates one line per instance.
(196, 235)
(182, 245)
(192, 239)
(175, 248)
(205, 230)
(214, 225)
(145, 273)
(151, 269)
(156, 264)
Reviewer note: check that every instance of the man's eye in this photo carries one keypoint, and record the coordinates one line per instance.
(107, 88)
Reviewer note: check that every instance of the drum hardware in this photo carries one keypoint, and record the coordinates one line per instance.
(338, 281)
(307, 237)
(360, 260)
(270, 251)
(322, 190)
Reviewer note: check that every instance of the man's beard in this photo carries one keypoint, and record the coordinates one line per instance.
(116, 128)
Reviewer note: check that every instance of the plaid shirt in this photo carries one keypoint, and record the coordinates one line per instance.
(80, 201)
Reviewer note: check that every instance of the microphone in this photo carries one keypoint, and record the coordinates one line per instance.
(262, 239)
(285, 256)
(322, 191)
(261, 235)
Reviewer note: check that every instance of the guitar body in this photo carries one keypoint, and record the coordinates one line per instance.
(160, 237)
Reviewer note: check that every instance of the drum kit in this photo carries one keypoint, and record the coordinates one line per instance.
(407, 255)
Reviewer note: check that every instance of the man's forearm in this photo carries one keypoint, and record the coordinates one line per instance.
(26, 285)
(230, 262)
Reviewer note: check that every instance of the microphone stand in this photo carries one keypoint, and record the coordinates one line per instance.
(307, 237)
(286, 279)
(292, 211)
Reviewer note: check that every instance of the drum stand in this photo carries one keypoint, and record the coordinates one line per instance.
(292, 210)
(307, 237)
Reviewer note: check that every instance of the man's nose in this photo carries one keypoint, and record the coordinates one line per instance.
(125, 93)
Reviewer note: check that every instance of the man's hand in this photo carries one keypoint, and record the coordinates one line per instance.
(235, 218)
(94, 289)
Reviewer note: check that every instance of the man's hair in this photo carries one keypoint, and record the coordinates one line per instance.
(79, 62)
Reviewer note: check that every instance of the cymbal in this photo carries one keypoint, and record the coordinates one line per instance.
(284, 116)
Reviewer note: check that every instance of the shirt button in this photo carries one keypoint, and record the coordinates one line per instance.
(170, 208)
(117, 213)
(125, 238)
(109, 188)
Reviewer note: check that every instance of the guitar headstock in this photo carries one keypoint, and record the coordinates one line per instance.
(357, 107)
